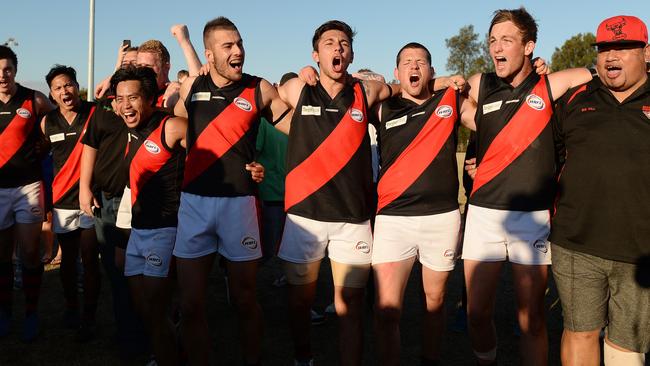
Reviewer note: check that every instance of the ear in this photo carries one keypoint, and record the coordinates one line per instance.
(529, 48)
(646, 53)
(165, 68)
(209, 56)
(352, 56)
(433, 72)
(314, 56)
(396, 74)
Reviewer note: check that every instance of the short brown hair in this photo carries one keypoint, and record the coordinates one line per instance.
(155, 46)
(521, 18)
(332, 25)
(216, 24)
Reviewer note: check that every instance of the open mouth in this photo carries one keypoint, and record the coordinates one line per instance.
(613, 71)
(130, 116)
(499, 61)
(67, 100)
(337, 64)
(414, 80)
(237, 65)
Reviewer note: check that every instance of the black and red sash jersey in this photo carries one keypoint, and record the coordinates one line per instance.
(328, 158)
(107, 133)
(515, 151)
(604, 190)
(65, 139)
(155, 175)
(221, 136)
(19, 133)
(419, 172)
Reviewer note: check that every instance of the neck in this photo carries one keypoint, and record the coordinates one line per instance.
(419, 99)
(624, 94)
(4, 97)
(517, 78)
(69, 114)
(219, 80)
(331, 86)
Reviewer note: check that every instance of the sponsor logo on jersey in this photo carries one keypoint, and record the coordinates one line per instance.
(310, 110)
(444, 111)
(249, 243)
(646, 110)
(151, 147)
(491, 107)
(363, 247)
(57, 137)
(541, 246)
(356, 115)
(200, 97)
(396, 122)
(154, 259)
(243, 104)
(535, 102)
(23, 113)
(449, 253)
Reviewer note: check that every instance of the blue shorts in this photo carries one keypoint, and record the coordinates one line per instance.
(228, 225)
(149, 252)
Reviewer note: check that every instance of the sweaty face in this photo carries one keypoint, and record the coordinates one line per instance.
(508, 50)
(225, 53)
(414, 72)
(130, 58)
(334, 54)
(622, 67)
(131, 104)
(65, 92)
(153, 61)
(7, 75)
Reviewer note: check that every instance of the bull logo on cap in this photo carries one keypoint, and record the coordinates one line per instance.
(617, 29)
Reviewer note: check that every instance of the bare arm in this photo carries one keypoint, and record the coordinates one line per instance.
(183, 94)
(182, 35)
(561, 81)
(43, 104)
(86, 198)
(467, 112)
(276, 109)
(175, 132)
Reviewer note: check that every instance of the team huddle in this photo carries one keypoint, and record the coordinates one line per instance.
(160, 177)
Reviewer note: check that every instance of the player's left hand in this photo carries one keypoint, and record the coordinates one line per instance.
(257, 171)
(308, 75)
(540, 66)
(470, 167)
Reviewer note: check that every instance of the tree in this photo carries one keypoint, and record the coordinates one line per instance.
(577, 51)
(83, 93)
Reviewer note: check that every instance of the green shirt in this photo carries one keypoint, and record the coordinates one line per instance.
(272, 149)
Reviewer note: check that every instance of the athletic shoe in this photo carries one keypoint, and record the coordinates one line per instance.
(316, 318)
(5, 323)
(30, 328)
(310, 362)
(281, 281)
(330, 309)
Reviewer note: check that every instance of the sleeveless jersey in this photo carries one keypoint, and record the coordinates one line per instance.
(65, 141)
(328, 158)
(155, 175)
(515, 149)
(419, 172)
(19, 133)
(221, 136)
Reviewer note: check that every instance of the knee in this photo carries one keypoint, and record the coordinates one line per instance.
(349, 303)
(582, 337)
(532, 324)
(478, 315)
(435, 300)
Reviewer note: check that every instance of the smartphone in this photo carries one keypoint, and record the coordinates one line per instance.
(127, 43)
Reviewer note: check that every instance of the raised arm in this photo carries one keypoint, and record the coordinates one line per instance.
(183, 94)
(276, 109)
(182, 35)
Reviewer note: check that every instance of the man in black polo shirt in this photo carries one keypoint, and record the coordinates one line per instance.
(601, 226)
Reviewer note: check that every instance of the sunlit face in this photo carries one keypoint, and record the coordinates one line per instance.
(225, 54)
(334, 54)
(414, 72)
(131, 104)
(65, 92)
(130, 59)
(153, 61)
(621, 67)
(508, 51)
(7, 76)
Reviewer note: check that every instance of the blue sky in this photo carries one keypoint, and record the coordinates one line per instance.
(277, 35)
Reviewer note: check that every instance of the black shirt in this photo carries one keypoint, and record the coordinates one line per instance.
(107, 133)
(603, 208)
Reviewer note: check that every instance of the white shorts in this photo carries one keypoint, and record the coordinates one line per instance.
(520, 236)
(149, 252)
(305, 241)
(65, 220)
(228, 225)
(123, 220)
(23, 205)
(434, 238)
